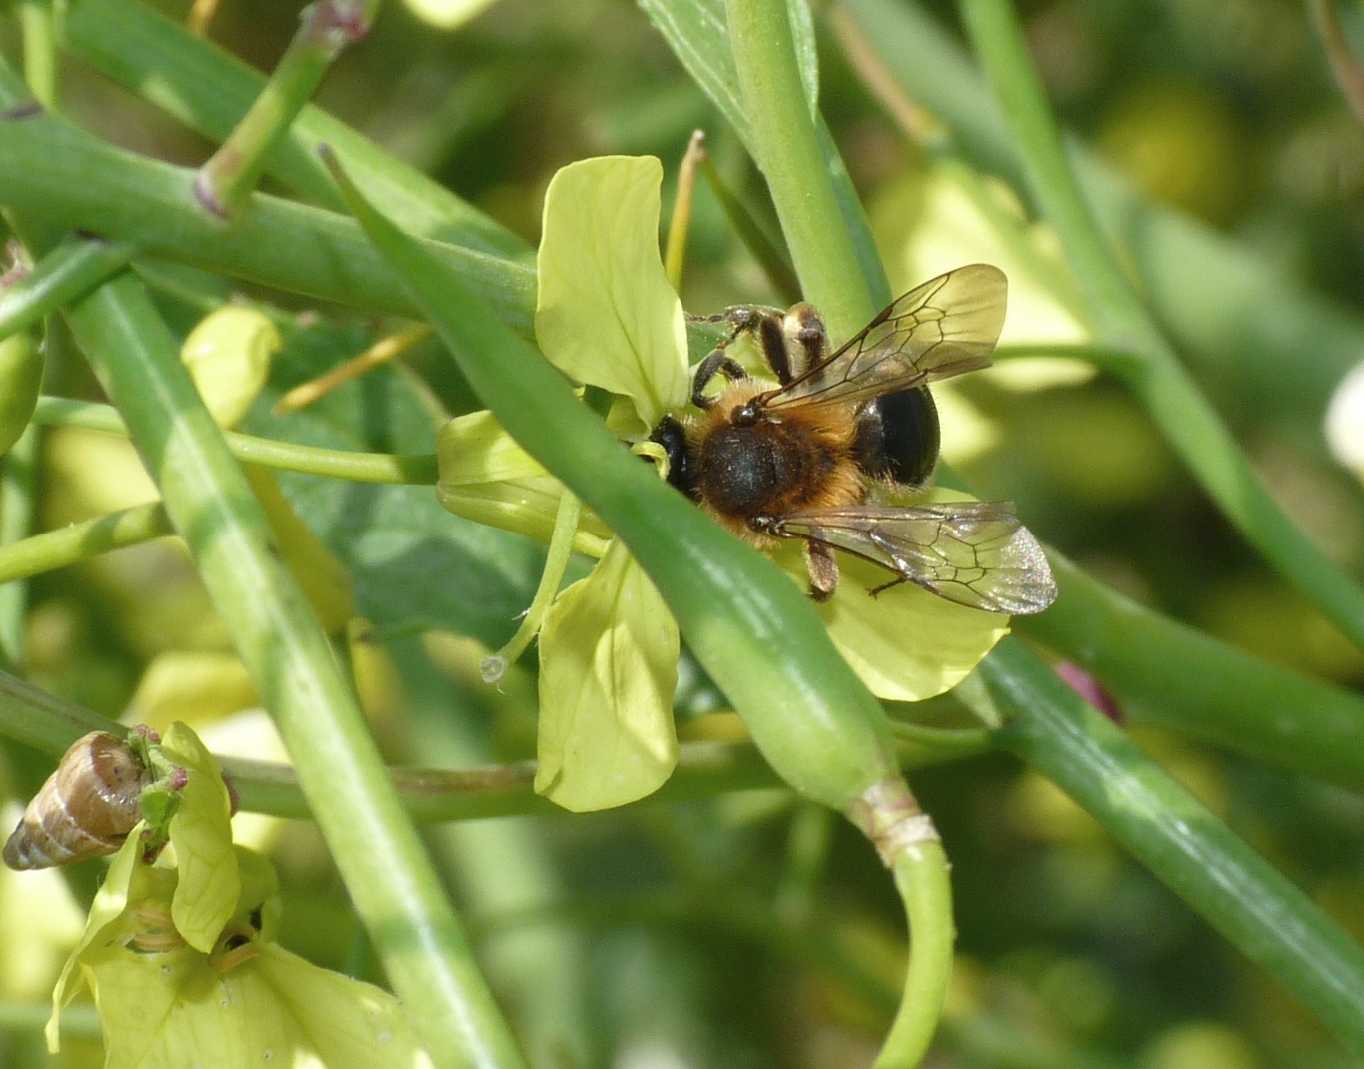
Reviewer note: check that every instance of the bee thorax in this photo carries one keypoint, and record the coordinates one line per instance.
(743, 469)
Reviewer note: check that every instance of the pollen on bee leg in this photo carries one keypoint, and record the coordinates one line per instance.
(822, 565)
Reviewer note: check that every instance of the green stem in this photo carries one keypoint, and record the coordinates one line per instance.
(325, 28)
(784, 142)
(1345, 66)
(79, 1021)
(1236, 890)
(772, 260)
(921, 877)
(79, 541)
(1111, 360)
(45, 168)
(551, 578)
(416, 469)
(1122, 322)
(71, 270)
(209, 90)
(1233, 310)
(1169, 674)
(697, 34)
(394, 887)
(18, 503)
(964, 742)
(48, 723)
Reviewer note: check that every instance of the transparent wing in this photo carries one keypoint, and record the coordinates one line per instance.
(945, 327)
(975, 553)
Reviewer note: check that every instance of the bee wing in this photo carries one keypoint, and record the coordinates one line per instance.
(945, 327)
(975, 553)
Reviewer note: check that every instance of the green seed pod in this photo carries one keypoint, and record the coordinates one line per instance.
(21, 377)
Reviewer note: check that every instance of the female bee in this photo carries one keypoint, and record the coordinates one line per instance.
(808, 458)
(86, 808)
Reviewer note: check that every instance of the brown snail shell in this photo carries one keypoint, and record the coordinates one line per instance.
(85, 809)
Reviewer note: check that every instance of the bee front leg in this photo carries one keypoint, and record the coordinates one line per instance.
(715, 362)
(742, 319)
(822, 566)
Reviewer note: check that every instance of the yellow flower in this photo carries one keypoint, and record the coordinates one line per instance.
(608, 318)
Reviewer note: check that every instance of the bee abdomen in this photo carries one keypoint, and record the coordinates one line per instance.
(85, 809)
(898, 437)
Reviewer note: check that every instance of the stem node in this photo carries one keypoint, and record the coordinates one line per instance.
(888, 814)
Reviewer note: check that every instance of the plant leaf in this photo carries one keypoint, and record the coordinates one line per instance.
(605, 313)
(608, 670)
(325, 581)
(413, 565)
(201, 832)
(167, 1011)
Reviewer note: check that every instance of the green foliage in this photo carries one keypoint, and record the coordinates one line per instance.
(21, 377)
(1071, 952)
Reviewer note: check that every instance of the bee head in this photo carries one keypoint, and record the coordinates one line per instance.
(746, 414)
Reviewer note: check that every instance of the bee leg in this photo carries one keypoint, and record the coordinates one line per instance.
(715, 362)
(740, 317)
(822, 566)
(874, 590)
(802, 333)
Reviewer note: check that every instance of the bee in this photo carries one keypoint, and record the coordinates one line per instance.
(86, 808)
(815, 457)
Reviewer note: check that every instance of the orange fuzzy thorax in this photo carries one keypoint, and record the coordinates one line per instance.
(821, 437)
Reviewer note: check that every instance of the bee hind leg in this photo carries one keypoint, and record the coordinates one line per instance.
(874, 590)
(822, 566)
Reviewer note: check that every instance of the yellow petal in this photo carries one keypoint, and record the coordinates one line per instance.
(475, 449)
(606, 314)
(228, 354)
(608, 670)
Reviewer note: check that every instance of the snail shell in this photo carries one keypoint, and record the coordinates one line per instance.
(85, 809)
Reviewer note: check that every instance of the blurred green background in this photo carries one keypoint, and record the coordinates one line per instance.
(752, 930)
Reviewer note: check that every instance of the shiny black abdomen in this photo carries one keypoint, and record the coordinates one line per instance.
(898, 437)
